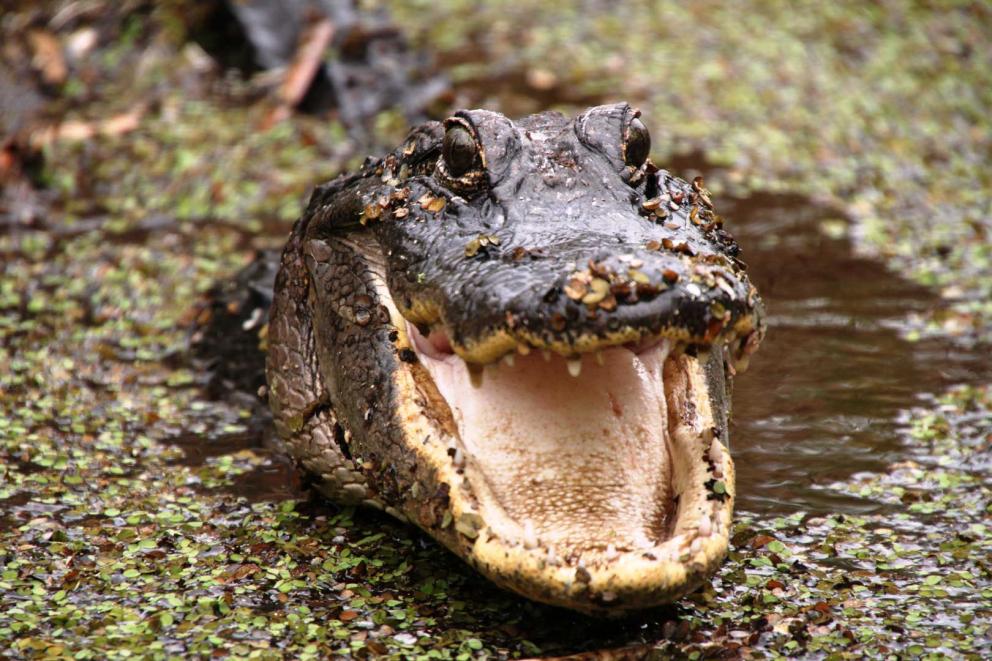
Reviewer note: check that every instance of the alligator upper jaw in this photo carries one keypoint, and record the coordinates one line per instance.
(594, 489)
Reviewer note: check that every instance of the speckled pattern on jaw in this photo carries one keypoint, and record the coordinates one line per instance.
(651, 299)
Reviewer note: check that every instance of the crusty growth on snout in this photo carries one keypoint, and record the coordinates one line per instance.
(520, 337)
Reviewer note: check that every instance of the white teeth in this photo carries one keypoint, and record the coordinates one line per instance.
(459, 458)
(575, 366)
(705, 527)
(715, 454)
(530, 537)
(523, 349)
(552, 556)
(599, 359)
(696, 545)
(611, 552)
(509, 359)
(547, 355)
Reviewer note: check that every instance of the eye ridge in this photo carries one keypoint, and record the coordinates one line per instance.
(636, 144)
(460, 151)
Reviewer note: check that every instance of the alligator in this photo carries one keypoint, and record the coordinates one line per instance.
(520, 336)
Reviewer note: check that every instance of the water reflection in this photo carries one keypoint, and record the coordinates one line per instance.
(822, 396)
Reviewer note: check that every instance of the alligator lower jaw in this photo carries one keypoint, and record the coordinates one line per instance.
(596, 491)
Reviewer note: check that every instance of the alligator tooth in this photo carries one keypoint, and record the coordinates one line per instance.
(552, 557)
(509, 359)
(714, 452)
(459, 458)
(600, 360)
(611, 552)
(523, 349)
(530, 537)
(547, 355)
(696, 545)
(475, 374)
(715, 457)
(575, 366)
(705, 527)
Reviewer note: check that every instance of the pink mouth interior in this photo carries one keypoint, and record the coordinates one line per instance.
(579, 463)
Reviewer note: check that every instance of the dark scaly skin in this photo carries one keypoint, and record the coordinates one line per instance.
(507, 255)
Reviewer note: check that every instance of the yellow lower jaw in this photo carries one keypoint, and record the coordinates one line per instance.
(631, 581)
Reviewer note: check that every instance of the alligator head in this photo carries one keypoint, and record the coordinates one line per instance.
(519, 336)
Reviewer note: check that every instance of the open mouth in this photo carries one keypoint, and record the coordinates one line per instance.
(598, 479)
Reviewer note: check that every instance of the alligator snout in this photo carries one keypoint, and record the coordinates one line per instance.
(573, 298)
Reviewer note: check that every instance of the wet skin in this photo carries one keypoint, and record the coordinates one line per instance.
(520, 336)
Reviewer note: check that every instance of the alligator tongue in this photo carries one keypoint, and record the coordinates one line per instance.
(571, 463)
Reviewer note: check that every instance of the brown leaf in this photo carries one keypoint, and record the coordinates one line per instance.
(759, 541)
(48, 57)
(238, 572)
(78, 131)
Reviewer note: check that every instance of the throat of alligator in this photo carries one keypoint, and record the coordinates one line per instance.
(582, 464)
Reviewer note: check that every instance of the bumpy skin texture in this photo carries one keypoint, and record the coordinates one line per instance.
(552, 240)
(300, 403)
(560, 202)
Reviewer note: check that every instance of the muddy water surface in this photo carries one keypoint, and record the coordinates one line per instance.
(821, 398)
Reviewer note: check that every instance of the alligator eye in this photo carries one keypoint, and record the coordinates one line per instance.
(637, 145)
(460, 151)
